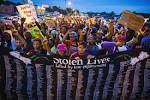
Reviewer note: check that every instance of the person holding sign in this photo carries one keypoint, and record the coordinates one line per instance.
(145, 40)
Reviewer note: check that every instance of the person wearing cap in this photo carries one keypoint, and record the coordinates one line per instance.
(73, 47)
(53, 33)
(52, 42)
(92, 48)
(145, 41)
(61, 49)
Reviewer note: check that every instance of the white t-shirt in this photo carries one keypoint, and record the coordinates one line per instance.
(123, 48)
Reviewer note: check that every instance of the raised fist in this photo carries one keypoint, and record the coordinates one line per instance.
(23, 20)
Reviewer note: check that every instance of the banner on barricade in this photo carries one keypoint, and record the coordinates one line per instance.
(106, 78)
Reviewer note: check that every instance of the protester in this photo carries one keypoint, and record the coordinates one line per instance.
(81, 53)
(145, 40)
(61, 50)
(72, 37)
(70, 40)
(37, 48)
(92, 48)
(19, 47)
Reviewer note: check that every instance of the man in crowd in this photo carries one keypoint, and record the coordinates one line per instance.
(37, 48)
(81, 52)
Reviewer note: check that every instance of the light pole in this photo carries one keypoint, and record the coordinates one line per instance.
(68, 3)
(65, 3)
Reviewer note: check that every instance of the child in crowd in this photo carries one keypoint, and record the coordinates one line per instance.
(81, 52)
(37, 48)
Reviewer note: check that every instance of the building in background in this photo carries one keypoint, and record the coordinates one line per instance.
(7, 8)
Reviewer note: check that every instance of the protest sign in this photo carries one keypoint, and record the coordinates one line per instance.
(40, 11)
(133, 21)
(27, 11)
(35, 32)
(50, 22)
(91, 21)
(45, 5)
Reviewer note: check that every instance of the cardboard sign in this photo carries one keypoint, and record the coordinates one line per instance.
(27, 11)
(45, 6)
(50, 23)
(36, 33)
(91, 21)
(132, 21)
(40, 11)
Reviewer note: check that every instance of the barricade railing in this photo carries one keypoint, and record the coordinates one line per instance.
(109, 78)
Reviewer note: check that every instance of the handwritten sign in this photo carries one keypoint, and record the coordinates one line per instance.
(27, 12)
(133, 21)
(50, 22)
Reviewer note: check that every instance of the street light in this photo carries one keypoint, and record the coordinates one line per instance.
(69, 3)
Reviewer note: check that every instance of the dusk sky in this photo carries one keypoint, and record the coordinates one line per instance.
(100, 5)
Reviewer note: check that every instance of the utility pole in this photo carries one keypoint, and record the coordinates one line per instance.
(25, 1)
(65, 3)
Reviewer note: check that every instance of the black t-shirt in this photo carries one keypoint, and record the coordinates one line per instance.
(59, 56)
(33, 52)
(129, 35)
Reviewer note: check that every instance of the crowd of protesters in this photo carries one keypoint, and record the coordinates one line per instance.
(77, 40)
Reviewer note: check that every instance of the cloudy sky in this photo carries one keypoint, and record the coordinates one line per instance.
(100, 5)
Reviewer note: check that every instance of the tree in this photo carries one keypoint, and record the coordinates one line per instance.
(69, 10)
(1, 1)
(112, 13)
